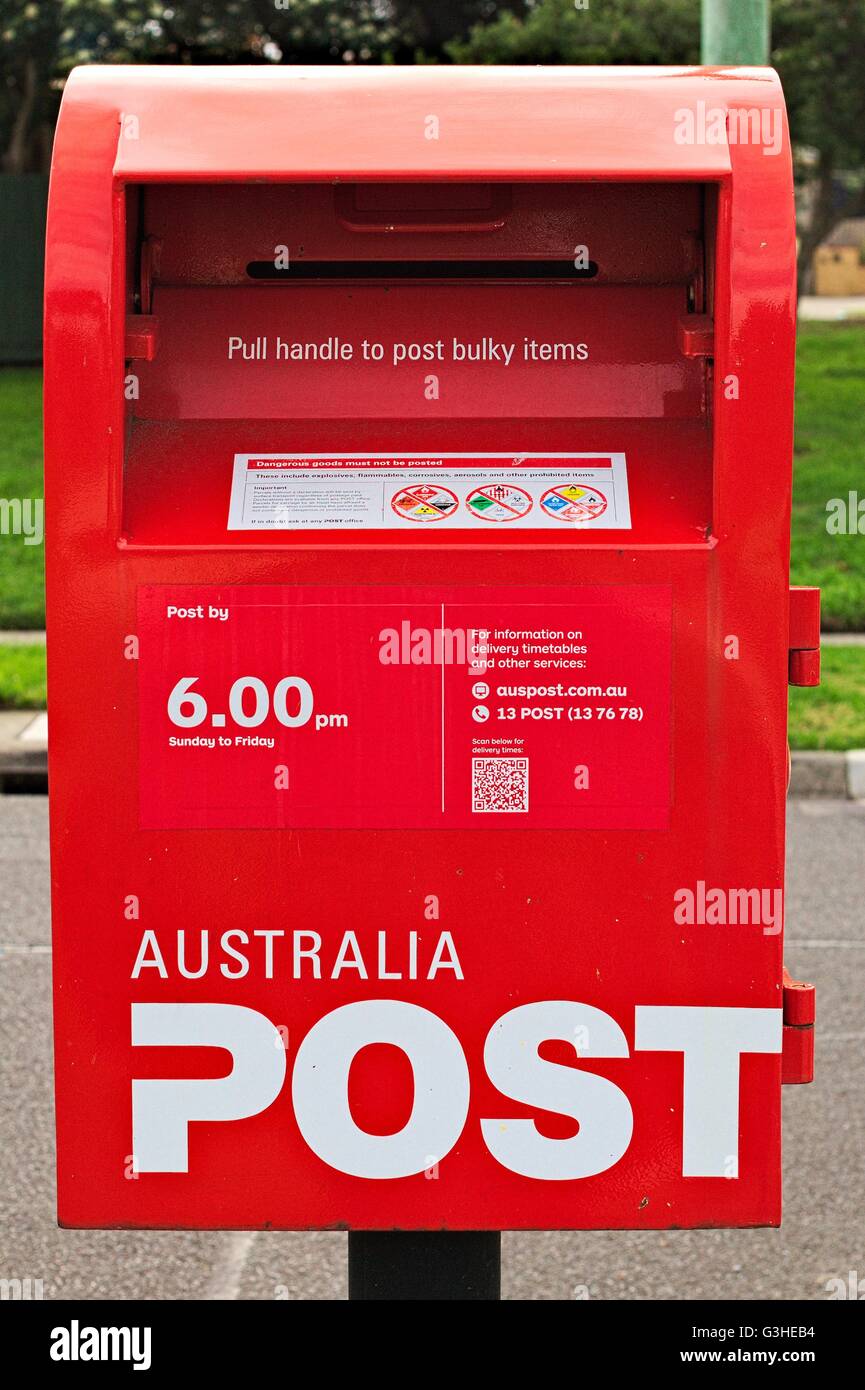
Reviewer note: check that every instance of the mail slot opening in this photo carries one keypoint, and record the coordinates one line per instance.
(424, 270)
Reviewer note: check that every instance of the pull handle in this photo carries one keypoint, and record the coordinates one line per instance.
(403, 219)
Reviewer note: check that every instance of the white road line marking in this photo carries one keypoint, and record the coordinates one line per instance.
(226, 1279)
(809, 944)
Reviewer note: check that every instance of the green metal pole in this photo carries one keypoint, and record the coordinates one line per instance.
(736, 32)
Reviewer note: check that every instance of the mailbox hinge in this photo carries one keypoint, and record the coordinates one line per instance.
(141, 328)
(797, 1046)
(141, 338)
(697, 335)
(804, 643)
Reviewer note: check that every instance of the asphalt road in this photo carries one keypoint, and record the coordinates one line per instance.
(823, 1235)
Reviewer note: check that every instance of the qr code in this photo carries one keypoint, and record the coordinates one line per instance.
(500, 784)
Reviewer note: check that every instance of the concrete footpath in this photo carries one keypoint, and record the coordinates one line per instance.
(822, 1237)
(825, 308)
(23, 747)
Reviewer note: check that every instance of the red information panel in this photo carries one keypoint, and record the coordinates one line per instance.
(386, 708)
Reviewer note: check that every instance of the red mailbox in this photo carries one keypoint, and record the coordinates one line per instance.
(418, 471)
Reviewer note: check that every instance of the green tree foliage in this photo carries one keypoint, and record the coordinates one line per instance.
(587, 31)
(431, 25)
(41, 42)
(29, 37)
(819, 51)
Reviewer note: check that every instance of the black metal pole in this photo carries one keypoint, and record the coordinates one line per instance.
(424, 1265)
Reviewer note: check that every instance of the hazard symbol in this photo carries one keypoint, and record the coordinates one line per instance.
(499, 502)
(571, 502)
(423, 502)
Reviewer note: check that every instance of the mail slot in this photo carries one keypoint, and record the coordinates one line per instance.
(418, 453)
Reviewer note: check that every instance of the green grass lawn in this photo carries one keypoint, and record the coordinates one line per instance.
(831, 715)
(22, 567)
(830, 462)
(22, 677)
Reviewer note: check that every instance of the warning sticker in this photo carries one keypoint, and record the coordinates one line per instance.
(274, 706)
(571, 502)
(274, 492)
(499, 502)
(424, 503)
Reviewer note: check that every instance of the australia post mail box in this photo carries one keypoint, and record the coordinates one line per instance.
(418, 475)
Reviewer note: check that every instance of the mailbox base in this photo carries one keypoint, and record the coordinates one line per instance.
(423, 1265)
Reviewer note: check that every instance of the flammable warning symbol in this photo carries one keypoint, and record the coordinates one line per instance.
(420, 502)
